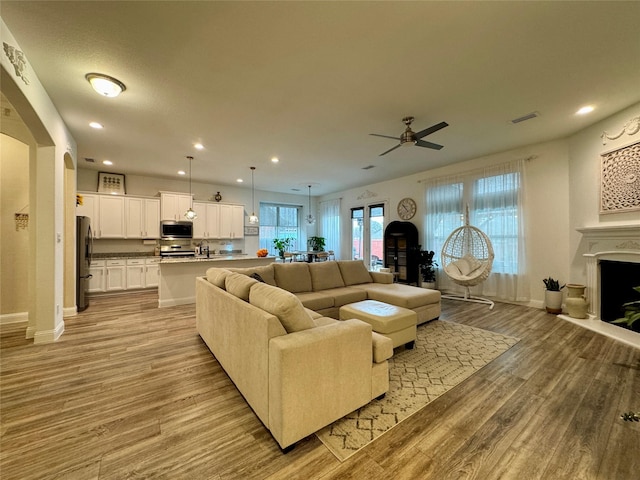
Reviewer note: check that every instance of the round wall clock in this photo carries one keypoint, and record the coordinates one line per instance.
(406, 208)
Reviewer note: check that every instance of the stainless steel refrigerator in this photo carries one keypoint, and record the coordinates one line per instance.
(84, 249)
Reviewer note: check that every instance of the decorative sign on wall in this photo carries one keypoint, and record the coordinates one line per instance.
(620, 180)
(111, 183)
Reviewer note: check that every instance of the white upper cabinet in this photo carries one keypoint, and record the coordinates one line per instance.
(231, 221)
(90, 208)
(174, 205)
(142, 217)
(111, 217)
(207, 224)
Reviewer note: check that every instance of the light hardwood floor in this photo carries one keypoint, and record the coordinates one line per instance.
(130, 392)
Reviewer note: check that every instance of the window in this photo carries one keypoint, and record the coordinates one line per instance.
(367, 234)
(357, 233)
(279, 221)
(330, 225)
(495, 200)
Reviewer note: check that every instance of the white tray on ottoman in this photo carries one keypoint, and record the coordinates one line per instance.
(396, 323)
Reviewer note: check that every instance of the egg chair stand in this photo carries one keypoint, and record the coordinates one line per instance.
(467, 258)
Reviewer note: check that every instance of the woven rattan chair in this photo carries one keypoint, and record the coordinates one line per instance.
(467, 258)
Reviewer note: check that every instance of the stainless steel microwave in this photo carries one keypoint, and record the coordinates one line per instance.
(171, 230)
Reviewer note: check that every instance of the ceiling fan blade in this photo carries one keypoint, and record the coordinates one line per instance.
(390, 150)
(383, 136)
(430, 130)
(435, 146)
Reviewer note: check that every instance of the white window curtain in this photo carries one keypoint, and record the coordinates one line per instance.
(495, 196)
(330, 225)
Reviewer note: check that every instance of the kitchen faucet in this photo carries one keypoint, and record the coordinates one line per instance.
(203, 248)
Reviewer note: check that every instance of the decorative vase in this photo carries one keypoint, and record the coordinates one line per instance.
(553, 301)
(576, 303)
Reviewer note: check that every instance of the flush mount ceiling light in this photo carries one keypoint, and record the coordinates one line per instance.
(105, 85)
(107, 162)
(253, 218)
(190, 214)
(198, 146)
(584, 110)
(275, 159)
(96, 125)
(310, 218)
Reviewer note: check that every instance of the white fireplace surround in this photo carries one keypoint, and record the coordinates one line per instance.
(615, 243)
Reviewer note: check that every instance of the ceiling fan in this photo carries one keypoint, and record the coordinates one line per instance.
(409, 138)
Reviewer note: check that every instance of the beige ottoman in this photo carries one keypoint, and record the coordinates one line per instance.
(396, 323)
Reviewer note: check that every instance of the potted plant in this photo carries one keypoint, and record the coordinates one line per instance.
(631, 314)
(553, 295)
(427, 268)
(281, 244)
(316, 244)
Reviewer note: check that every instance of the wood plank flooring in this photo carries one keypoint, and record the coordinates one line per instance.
(131, 392)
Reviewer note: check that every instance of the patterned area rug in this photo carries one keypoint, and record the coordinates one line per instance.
(445, 354)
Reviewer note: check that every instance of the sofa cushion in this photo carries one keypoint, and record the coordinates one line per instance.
(345, 295)
(284, 305)
(315, 300)
(217, 276)
(265, 271)
(401, 295)
(354, 272)
(293, 277)
(325, 275)
(239, 285)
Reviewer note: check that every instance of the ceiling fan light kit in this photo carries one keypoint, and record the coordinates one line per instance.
(409, 138)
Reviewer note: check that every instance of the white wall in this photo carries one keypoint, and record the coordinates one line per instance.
(585, 150)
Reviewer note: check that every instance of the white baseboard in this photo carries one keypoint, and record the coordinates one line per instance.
(69, 311)
(18, 317)
(176, 301)
(48, 336)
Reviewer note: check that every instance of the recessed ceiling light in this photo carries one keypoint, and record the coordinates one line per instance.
(181, 172)
(275, 159)
(239, 180)
(584, 110)
(107, 162)
(198, 146)
(105, 85)
(96, 125)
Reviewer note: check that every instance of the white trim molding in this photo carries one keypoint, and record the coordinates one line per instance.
(17, 317)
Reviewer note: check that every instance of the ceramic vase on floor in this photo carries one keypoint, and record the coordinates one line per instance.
(576, 302)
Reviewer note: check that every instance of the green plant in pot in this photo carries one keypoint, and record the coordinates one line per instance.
(281, 245)
(553, 295)
(631, 314)
(427, 267)
(316, 244)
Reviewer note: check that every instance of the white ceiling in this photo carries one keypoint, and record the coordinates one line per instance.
(308, 81)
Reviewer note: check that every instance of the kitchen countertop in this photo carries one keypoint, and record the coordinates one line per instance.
(212, 258)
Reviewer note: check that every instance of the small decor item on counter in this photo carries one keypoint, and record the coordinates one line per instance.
(79, 200)
(576, 302)
(263, 252)
(218, 197)
(553, 295)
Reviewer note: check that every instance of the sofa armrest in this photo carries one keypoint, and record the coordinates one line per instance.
(317, 376)
(381, 277)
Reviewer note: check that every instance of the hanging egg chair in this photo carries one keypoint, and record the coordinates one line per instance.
(467, 258)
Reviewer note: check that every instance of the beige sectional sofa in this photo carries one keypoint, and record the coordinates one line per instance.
(326, 286)
(298, 370)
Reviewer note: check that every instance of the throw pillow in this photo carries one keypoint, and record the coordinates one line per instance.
(257, 277)
(354, 272)
(217, 276)
(239, 285)
(284, 305)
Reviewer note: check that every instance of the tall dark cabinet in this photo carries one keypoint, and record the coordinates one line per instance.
(401, 250)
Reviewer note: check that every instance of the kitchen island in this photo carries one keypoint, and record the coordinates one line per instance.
(178, 275)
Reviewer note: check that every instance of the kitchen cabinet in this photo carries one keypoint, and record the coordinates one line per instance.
(111, 223)
(135, 273)
(207, 223)
(116, 275)
(98, 275)
(231, 221)
(142, 217)
(90, 208)
(174, 205)
(152, 272)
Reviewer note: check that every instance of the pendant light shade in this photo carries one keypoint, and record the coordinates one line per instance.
(190, 214)
(310, 218)
(253, 218)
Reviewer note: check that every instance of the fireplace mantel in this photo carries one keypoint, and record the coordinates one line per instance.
(608, 242)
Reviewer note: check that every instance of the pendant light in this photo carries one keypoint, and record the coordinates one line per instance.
(253, 218)
(310, 218)
(190, 214)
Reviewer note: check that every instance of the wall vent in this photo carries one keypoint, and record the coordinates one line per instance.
(368, 167)
(90, 160)
(526, 117)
